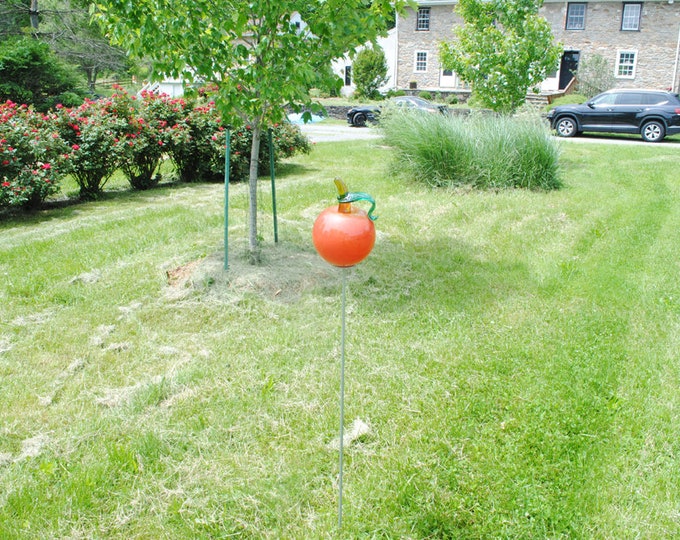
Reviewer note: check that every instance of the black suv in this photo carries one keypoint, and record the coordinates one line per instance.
(651, 113)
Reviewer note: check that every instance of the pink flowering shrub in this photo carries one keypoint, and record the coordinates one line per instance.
(96, 136)
(33, 157)
(156, 132)
(154, 127)
(288, 141)
(197, 156)
(202, 157)
(128, 133)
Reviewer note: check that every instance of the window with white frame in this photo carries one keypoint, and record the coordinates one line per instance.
(576, 16)
(421, 62)
(625, 64)
(630, 20)
(423, 19)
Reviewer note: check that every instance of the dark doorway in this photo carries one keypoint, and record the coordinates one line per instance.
(568, 67)
(348, 75)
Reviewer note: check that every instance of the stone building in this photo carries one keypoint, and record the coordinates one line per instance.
(640, 40)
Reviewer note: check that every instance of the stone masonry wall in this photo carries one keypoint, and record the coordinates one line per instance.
(442, 21)
(655, 43)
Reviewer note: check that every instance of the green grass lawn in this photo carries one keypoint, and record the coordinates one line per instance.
(514, 354)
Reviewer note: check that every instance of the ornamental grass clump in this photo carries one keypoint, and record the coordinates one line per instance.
(427, 148)
(481, 150)
(513, 152)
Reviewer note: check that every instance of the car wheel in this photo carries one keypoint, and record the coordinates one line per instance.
(653, 131)
(359, 120)
(566, 127)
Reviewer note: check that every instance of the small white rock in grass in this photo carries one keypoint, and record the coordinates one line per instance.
(358, 429)
(87, 277)
(5, 345)
(32, 447)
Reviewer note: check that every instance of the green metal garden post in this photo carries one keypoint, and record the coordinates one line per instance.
(227, 166)
(272, 174)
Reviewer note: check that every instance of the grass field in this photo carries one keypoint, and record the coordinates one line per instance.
(513, 354)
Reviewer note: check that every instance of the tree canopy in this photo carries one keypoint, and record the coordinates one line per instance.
(369, 71)
(31, 73)
(65, 25)
(14, 16)
(595, 74)
(503, 49)
(262, 54)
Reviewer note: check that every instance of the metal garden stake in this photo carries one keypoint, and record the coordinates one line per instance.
(344, 235)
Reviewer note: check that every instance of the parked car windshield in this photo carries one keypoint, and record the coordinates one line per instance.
(410, 101)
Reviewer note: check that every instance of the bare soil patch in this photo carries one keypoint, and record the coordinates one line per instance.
(284, 274)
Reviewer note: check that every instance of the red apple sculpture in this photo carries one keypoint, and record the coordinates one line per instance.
(344, 234)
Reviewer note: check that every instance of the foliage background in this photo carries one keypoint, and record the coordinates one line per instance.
(30, 73)
(369, 72)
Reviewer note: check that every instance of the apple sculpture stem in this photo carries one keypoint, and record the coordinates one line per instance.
(344, 235)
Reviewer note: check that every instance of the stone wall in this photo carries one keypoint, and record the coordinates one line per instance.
(338, 111)
(442, 21)
(656, 41)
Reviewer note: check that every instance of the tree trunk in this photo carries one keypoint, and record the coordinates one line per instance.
(91, 77)
(34, 17)
(253, 243)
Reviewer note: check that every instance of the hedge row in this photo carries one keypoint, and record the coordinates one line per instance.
(126, 133)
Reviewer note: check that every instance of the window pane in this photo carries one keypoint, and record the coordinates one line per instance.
(423, 20)
(576, 17)
(629, 99)
(626, 64)
(421, 61)
(606, 99)
(655, 99)
(631, 17)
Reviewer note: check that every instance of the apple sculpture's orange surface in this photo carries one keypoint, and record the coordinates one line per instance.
(344, 235)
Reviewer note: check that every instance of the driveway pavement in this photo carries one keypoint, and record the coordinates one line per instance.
(331, 132)
(603, 139)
